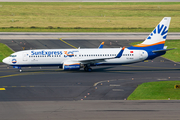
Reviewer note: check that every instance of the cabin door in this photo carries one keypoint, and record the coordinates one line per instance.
(25, 56)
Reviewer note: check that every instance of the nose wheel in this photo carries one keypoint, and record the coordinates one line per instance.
(20, 70)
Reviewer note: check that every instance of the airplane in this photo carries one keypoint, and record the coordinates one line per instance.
(75, 59)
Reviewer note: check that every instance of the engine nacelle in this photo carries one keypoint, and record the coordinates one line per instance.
(71, 66)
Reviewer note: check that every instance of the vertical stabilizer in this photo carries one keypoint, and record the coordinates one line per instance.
(158, 35)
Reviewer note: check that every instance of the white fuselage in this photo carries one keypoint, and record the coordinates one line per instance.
(51, 57)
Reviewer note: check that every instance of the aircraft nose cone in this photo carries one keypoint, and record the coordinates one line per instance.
(5, 60)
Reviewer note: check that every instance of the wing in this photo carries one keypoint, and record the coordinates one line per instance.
(96, 60)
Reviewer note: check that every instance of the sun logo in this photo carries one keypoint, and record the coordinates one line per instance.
(14, 61)
(69, 54)
(159, 30)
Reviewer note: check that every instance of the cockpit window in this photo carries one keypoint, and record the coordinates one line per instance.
(13, 55)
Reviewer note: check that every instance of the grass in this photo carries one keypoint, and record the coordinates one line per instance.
(156, 91)
(172, 54)
(87, 17)
(4, 51)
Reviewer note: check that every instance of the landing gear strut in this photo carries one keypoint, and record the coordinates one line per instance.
(20, 70)
(87, 68)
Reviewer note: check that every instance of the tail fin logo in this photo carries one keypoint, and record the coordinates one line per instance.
(160, 29)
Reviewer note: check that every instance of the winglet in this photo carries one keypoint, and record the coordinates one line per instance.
(120, 53)
(101, 45)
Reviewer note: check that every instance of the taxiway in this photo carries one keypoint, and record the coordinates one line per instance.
(51, 93)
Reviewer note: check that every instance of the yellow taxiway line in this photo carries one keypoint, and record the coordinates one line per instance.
(19, 74)
(68, 43)
(2, 89)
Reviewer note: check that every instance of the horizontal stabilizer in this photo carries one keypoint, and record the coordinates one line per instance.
(162, 50)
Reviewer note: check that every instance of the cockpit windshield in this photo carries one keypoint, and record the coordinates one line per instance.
(13, 56)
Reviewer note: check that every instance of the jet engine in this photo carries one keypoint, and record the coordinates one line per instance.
(71, 66)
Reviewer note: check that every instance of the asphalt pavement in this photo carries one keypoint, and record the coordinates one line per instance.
(89, 0)
(51, 93)
(83, 35)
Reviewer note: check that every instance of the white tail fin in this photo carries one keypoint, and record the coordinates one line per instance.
(158, 35)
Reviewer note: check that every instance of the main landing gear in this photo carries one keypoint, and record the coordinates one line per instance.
(87, 68)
